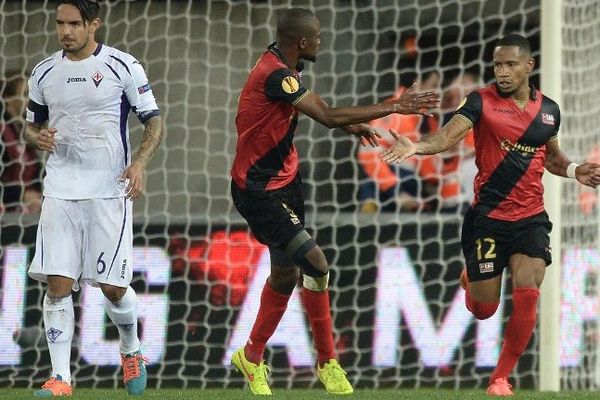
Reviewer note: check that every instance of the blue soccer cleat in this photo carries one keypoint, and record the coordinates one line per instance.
(135, 376)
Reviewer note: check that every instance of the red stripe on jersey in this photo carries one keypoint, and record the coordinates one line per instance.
(266, 157)
(510, 148)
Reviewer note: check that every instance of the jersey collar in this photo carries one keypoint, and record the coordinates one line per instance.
(98, 49)
(273, 49)
(95, 53)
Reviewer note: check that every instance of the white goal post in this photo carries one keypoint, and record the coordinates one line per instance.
(551, 68)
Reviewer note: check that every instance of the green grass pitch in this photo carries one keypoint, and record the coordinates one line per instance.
(239, 394)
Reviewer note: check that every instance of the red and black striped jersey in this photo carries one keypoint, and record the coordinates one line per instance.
(510, 151)
(266, 158)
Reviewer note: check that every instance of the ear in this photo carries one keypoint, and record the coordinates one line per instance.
(530, 65)
(95, 24)
(302, 43)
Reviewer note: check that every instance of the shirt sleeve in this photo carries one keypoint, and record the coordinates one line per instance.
(470, 107)
(281, 85)
(556, 124)
(139, 94)
(37, 110)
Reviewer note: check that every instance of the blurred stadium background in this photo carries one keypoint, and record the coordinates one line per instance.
(398, 314)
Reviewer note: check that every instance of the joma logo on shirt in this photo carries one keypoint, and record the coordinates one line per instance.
(123, 267)
(69, 80)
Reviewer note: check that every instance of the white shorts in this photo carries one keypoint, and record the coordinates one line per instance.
(90, 240)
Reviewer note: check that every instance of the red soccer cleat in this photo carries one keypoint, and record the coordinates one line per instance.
(54, 387)
(500, 387)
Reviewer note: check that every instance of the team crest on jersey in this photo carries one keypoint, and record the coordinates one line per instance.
(548, 119)
(97, 78)
(290, 85)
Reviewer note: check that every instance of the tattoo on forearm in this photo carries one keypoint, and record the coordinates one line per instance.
(31, 131)
(151, 138)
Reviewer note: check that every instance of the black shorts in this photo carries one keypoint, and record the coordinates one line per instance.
(488, 243)
(274, 216)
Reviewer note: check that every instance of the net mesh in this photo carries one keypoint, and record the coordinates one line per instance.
(580, 138)
(398, 312)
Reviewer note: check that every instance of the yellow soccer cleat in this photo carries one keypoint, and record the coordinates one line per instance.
(333, 377)
(256, 375)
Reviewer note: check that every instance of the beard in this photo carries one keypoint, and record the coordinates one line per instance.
(505, 93)
(75, 50)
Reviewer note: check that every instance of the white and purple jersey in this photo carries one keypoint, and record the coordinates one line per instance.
(88, 102)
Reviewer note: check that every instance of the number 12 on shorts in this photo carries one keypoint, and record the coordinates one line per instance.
(491, 246)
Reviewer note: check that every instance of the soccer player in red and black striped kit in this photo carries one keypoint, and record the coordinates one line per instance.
(266, 188)
(516, 130)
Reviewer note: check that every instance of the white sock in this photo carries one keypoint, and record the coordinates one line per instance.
(59, 323)
(124, 315)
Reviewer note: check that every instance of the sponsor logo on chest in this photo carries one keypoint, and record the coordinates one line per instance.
(504, 110)
(75, 80)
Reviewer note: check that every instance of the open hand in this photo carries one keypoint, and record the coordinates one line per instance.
(366, 133)
(410, 102)
(134, 176)
(399, 151)
(588, 174)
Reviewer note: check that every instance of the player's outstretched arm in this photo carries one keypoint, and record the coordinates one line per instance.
(557, 163)
(449, 135)
(39, 138)
(367, 135)
(153, 133)
(332, 117)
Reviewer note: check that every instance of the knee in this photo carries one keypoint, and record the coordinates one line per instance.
(283, 280)
(483, 310)
(59, 287)
(113, 293)
(318, 263)
(306, 254)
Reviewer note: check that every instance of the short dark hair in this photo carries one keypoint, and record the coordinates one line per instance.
(294, 24)
(89, 9)
(514, 39)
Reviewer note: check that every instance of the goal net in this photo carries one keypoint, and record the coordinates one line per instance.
(580, 236)
(398, 311)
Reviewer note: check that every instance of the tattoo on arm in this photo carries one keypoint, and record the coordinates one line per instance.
(31, 131)
(153, 133)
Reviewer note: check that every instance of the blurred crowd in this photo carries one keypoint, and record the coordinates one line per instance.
(20, 179)
(441, 182)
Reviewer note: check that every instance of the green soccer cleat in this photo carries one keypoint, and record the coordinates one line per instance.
(333, 377)
(255, 375)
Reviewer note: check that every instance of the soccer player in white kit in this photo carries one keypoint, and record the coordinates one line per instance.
(79, 99)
